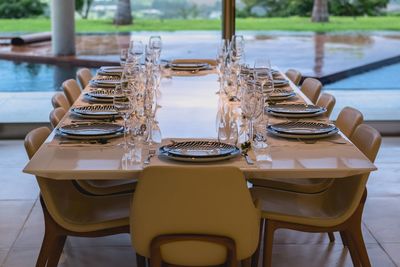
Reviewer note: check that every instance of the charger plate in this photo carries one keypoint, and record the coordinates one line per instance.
(91, 129)
(199, 151)
(300, 136)
(303, 127)
(96, 111)
(294, 108)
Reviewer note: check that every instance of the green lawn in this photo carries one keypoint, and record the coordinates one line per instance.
(287, 24)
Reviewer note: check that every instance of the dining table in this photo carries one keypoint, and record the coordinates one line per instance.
(188, 110)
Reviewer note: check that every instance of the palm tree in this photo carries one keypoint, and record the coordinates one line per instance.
(123, 16)
(320, 11)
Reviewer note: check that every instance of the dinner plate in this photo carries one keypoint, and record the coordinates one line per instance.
(91, 137)
(295, 115)
(102, 93)
(281, 94)
(200, 160)
(105, 82)
(303, 127)
(199, 151)
(251, 71)
(189, 66)
(90, 129)
(96, 111)
(93, 99)
(110, 71)
(294, 108)
(300, 136)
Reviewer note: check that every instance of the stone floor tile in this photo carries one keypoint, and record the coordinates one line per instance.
(393, 250)
(12, 217)
(382, 218)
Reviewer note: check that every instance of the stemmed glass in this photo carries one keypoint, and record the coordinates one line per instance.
(252, 104)
(136, 50)
(155, 44)
(123, 105)
(123, 56)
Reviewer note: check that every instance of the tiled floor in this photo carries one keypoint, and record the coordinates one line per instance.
(21, 223)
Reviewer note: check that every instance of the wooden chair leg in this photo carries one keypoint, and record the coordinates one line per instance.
(344, 238)
(246, 262)
(256, 255)
(43, 254)
(357, 238)
(331, 237)
(352, 249)
(56, 251)
(268, 243)
(140, 261)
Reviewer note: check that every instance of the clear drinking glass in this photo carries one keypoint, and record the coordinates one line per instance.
(136, 50)
(252, 104)
(123, 105)
(123, 56)
(155, 44)
(260, 145)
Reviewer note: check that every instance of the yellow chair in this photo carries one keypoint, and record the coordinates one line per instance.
(71, 90)
(84, 76)
(194, 216)
(95, 187)
(68, 212)
(339, 208)
(327, 101)
(59, 100)
(312, 89)
(56, 116)
(348, 120)
(294, 76)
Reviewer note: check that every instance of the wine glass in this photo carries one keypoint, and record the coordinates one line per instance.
(252, 104)
(123, 105)
(136, 50)
(123, 56)
(155, 44)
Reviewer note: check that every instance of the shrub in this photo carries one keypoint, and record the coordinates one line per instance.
(21, 8)
(284, 8)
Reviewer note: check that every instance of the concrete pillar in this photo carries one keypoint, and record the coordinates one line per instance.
(228, 19)
(63, 27)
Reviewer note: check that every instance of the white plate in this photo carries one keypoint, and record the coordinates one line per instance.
(303, 127)
(98, 100)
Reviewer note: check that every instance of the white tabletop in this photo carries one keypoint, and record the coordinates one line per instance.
(189, 107)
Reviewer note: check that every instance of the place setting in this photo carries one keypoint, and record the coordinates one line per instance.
(100, 95)
(295, 110)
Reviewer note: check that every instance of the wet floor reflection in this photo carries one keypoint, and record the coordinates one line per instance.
(315, 54)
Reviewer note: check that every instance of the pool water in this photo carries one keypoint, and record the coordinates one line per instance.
(383, 78)
(32, 77)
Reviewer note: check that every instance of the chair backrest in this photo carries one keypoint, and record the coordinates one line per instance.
(55, 116)
(71, 90)
(59, 100)
(194, 200)
(34, 139)
(327, 101)
(345, 194)
(312, 89)
(294, 76)
(348, 120)
(84, 76)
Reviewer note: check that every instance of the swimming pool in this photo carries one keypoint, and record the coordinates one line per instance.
(380, 79)
(33, 77)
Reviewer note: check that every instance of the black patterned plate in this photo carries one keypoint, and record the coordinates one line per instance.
(303, 127)
(199, 149)
(189, 66)
(294, 108)
(91, 129)
(95, 111)
(105, 82)
(110, 71)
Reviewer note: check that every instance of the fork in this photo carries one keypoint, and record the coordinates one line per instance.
(152, 152)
